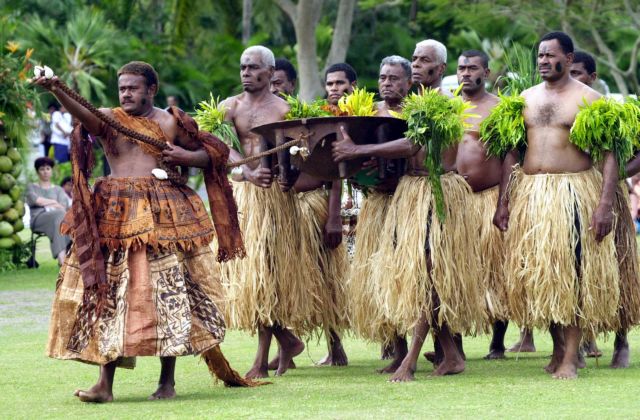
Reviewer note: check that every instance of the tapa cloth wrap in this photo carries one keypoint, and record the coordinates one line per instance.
(160, 303)
(80, 222)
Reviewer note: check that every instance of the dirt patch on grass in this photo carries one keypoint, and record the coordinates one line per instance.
(25, 310)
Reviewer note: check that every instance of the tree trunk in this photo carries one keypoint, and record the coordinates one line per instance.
(305, 17)
(247, 12)
(341, 32)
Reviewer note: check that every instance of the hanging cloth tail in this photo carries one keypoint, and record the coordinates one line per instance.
(221, 369)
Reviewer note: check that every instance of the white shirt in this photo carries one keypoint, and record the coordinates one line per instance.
(64, 121)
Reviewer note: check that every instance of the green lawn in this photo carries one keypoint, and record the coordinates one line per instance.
(34, 386)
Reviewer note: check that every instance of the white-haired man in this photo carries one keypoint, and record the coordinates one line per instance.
(267, 290)
(412, 221)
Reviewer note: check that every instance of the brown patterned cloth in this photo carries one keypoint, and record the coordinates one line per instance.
(81, 220)
(162, 288)
(145, 211)
(158, 304)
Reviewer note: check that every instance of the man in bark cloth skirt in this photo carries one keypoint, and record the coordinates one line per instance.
(367, 315)
(558, 214)
(140, 279)
(424, 274)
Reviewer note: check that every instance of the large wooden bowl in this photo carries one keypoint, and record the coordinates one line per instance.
(319, 134)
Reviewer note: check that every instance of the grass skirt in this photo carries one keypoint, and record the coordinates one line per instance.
(548, 242)
(492, 254)
(158, 304)
(448, 281)
(269, 285)
(332, 264)
(368, 318)
(627, 253)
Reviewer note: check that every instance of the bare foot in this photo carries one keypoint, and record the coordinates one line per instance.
(257, 372)
(552, 366)
(591, 349)
(432, 357)
(164, 392)
(520, 347)
(495, 354)
(581, 362)
(620, 359)
(387, 352)
(403, 374)
(287, 353)
(336, 357)
(97, 394)
(391, 367)
(449, 367)
(275, 362)
(566, 371)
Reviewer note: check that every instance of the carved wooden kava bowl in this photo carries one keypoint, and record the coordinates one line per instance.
(317, 136)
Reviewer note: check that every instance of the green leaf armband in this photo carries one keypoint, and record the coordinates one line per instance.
(436, 123)
(504, 130)
(210, 117)
(604, 126)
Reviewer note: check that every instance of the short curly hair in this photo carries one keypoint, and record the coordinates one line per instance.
(143, 69)
(43, 161)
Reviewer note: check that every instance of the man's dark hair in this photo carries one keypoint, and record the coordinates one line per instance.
(288, 69)
(344, 67)
(143, 69)
(477, 53)
(65, 180)
(563, 39)
(587, 61)
(55, 105)
(42, 161)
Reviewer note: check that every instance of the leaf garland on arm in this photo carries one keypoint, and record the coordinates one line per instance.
(359, 103)
(210, 117)
(633, 105)
(604, 126)
(504, 130)
(300, 109)
(436, 123)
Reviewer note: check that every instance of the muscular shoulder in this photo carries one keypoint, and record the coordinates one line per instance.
(587, 93)
(167, 123)
(532, 91)
(281, 104)
(230, 103)
(492, 99)
(106, 111)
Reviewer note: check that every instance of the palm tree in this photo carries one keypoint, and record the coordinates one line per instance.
(81, 52)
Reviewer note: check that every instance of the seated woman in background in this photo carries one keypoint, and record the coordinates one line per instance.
(48, 204)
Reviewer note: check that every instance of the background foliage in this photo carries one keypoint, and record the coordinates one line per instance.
(196, 45)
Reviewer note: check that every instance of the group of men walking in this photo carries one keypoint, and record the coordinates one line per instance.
(526, 236)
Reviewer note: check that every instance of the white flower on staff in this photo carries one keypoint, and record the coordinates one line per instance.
(159, 173)
(48, 73)
(45, 71)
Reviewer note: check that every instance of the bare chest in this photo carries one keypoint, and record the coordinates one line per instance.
(550, 114)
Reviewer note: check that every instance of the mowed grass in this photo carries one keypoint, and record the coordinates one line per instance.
(33, 386)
